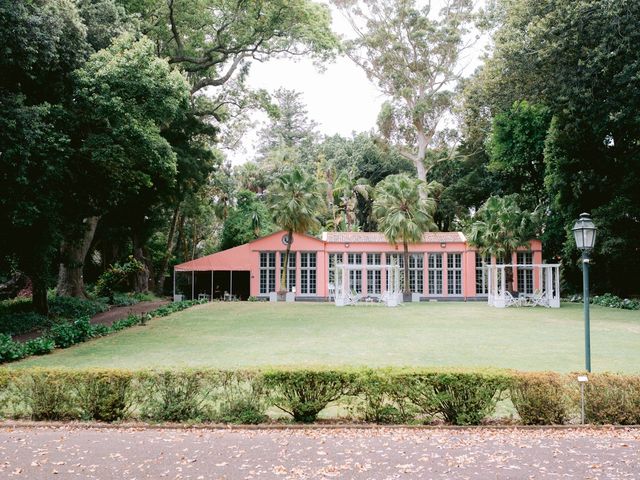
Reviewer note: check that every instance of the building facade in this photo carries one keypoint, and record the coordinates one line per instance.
(442, 266)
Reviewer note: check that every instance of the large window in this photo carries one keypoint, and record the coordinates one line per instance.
(291, 272)
(355, 276)
(374, 276)
(435, 273)
(267, 272)
(525, 272)
(334, 259)
(454, 273)
(416, 273)
(396, 259)
(482, 274)
(308, 273)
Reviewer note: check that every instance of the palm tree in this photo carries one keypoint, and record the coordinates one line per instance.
(346, 189)
(404, 207)
(500, 227)
(295, 201)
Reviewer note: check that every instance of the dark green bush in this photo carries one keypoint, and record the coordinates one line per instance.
(540, 398)
(613, 301)
(103, 395)
(303, 394)
(175, 396)
(22, 322)
(117, 278)
(10, 350)
(99, 330)
(39, 346)
(127, 322)
(72, 307)
(69, 333)
(460, 398)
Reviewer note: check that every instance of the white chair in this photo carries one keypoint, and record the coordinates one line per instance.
(539, 298)
(332, 292)
(511, 301)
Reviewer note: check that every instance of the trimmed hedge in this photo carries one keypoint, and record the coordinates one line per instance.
(66, 334)
(540, 398)
(458, 397)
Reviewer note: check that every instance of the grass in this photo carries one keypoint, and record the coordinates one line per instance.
(228, 335)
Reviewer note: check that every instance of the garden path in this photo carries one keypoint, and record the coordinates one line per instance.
(108, 317)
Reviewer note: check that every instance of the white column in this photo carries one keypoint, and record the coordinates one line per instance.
(193, 285)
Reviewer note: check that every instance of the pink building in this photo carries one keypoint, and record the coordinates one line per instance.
(442, 266)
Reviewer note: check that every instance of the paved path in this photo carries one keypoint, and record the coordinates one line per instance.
(129, 453)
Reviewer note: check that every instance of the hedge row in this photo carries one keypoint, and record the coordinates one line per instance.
(375, 396)
(66, 334)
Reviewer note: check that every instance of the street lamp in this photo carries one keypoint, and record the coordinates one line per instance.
(584, 232)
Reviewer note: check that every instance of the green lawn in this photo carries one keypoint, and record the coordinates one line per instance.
(427, 334)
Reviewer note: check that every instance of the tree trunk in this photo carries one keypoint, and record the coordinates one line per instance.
(420, 157)
(508, 272)
(160, 274)
(141, 278)
(285, 267)
(39, 296)
(406, 289)
(70, 273)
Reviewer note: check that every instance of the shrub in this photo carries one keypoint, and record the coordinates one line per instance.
(611, 399)
(540, 398)
(47, 394)
(10, 350)
(72, 307)
(382, 398)
(459, 397)
(612, 301)
(123, 323)
(103, 395)
(22, 322)
(99, 330)
(69, 333)
(39, 346)
(305, 393)
(117, 278)
(174, 395)
(243, 398)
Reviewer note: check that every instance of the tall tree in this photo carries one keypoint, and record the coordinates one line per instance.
(578, 59)
(41, 43)
(124, 96)
(516, 150)
(214, 40)
(289, 125)
(412, 55)
(500, 227)
(296, 202)
(404, 207)
(249, 220)
(346, 191)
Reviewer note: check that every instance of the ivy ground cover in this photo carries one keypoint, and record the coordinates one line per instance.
(256, 334)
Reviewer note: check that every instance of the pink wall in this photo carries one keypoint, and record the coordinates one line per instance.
(247, 258)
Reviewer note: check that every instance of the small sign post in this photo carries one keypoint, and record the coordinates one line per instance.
(582, 379)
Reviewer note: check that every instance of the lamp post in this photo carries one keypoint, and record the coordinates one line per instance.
(584, 232)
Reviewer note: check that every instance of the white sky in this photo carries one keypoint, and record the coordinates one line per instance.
(340, 99)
